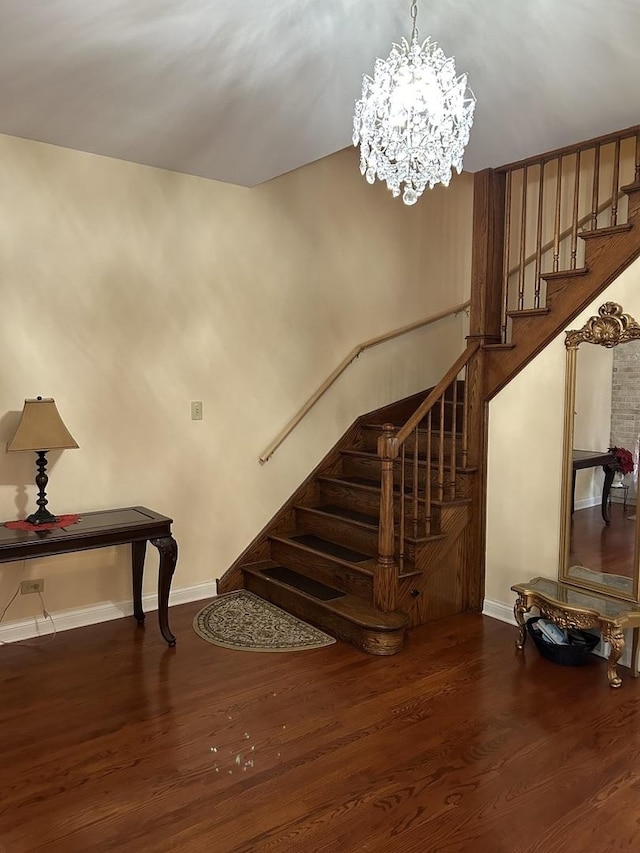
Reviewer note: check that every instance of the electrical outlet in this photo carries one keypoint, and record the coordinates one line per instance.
(31, 586)
(196, 410)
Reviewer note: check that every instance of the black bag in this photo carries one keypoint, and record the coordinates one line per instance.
(576, 653)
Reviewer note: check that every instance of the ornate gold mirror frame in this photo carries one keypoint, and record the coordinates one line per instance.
(611, 328)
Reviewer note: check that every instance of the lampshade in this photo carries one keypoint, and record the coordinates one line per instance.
(41, 428)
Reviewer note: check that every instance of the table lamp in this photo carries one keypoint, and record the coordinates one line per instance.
(41, 429)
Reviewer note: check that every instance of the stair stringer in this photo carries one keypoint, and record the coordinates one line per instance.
(441, 570)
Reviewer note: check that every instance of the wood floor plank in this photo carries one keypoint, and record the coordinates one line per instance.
(112, 741)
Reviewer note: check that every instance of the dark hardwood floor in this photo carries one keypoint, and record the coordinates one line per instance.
(113, 742)
(604, 547)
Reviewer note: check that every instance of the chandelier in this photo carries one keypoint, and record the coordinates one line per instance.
(414, 118)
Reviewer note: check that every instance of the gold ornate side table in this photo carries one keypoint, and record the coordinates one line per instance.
(569, 607)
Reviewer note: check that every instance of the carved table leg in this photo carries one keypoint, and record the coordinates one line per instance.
(609, 471)
(519, 609)
(137, 567)
(615, 636)
(168, 549)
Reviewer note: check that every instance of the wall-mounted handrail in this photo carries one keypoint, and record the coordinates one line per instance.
(353, 355)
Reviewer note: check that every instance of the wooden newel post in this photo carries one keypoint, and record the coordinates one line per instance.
(385, 579)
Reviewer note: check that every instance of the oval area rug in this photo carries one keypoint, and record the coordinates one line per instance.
(242, 620)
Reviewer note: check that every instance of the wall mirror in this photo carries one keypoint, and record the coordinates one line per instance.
(599, 532)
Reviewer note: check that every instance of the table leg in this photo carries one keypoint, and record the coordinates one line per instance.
(519, 609)
(168, 549)
(137, 568)
(609, 471)
(634, 652)
(615, 636)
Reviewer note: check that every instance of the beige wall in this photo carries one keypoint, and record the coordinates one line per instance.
(592, 419)
(129, 291)
(525, 460)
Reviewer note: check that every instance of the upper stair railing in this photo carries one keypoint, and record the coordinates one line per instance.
(553, 198)
(427, 451)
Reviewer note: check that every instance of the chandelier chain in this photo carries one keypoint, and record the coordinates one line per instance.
(414, 16)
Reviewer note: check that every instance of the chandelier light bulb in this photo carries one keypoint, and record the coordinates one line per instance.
(413, 120)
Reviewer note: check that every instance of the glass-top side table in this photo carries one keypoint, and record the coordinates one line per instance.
(568, 607)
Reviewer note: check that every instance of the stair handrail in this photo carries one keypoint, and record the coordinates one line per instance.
(433, 397)
(568, 150)
(355, 353)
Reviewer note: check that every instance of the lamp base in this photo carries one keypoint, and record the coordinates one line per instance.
(42, 516)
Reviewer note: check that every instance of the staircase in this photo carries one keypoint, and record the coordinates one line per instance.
(388, 532)
(607, 253)
(319, 558)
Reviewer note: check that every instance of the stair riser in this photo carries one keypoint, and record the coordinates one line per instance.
(354, 537)
(371, 469)
(448, 413)
(368, 501)
(360, 500)
(323, 569)
(338, 530)
(370, 438)
(367, 640)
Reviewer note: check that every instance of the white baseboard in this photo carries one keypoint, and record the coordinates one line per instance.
(585, 503)
(64, 620)
(504, 612)
(498, 610)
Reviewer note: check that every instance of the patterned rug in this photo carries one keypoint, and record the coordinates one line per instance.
(242, 620)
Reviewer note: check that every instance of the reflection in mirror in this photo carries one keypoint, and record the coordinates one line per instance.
(602, 421)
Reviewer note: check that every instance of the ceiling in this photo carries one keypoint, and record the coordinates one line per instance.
(244, 90)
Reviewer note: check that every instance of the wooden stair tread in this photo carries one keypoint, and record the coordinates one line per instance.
(331, 511)
(301, 546)
(630, 188)
(528, 312)
(365, 566)
(373, 486)
(409, 457)
(350, 607)
(345, 514)
(346, 481)
(303, 583)
(331, 549)
(380, 428)
(612, 230)
(557, 274)
(498, 347)
(421, 430)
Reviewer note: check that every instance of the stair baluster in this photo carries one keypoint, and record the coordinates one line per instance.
(385, 579)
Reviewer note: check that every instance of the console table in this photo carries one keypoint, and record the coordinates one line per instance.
(569, 607)
(135, 525)
(593, 459)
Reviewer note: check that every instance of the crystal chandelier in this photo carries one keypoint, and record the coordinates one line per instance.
(414, 118)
